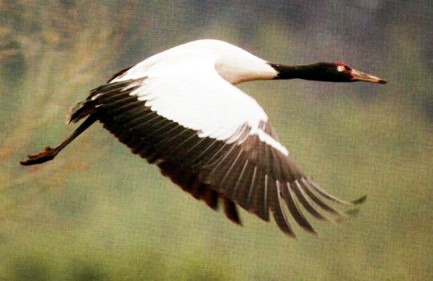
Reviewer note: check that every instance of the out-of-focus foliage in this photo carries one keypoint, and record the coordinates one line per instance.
(99, 213)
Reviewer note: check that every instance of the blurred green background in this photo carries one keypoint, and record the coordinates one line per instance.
(99, 213)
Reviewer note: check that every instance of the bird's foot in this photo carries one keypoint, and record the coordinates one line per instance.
(44, 156)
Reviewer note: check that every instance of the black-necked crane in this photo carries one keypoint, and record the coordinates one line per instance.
(180, 110)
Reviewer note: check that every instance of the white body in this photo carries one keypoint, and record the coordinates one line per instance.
(192, 84)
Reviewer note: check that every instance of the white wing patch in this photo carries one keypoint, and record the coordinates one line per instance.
(266, 138)
(195, 96)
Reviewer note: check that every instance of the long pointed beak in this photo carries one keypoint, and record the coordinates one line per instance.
(361, 76)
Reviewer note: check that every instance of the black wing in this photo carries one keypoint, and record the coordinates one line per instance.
(247, 172)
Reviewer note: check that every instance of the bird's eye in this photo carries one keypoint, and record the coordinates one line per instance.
(341, 68)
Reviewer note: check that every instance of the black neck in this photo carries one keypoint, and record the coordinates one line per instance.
(320, 71)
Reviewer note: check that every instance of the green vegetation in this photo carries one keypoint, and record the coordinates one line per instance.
(99, 213)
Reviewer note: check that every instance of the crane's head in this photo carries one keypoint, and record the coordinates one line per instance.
(342, 72)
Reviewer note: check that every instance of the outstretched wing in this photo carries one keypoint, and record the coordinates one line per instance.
(211, 139)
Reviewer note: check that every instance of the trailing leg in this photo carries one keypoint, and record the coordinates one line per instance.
(49, 153)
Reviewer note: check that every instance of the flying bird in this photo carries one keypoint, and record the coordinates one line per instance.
(180, 110)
